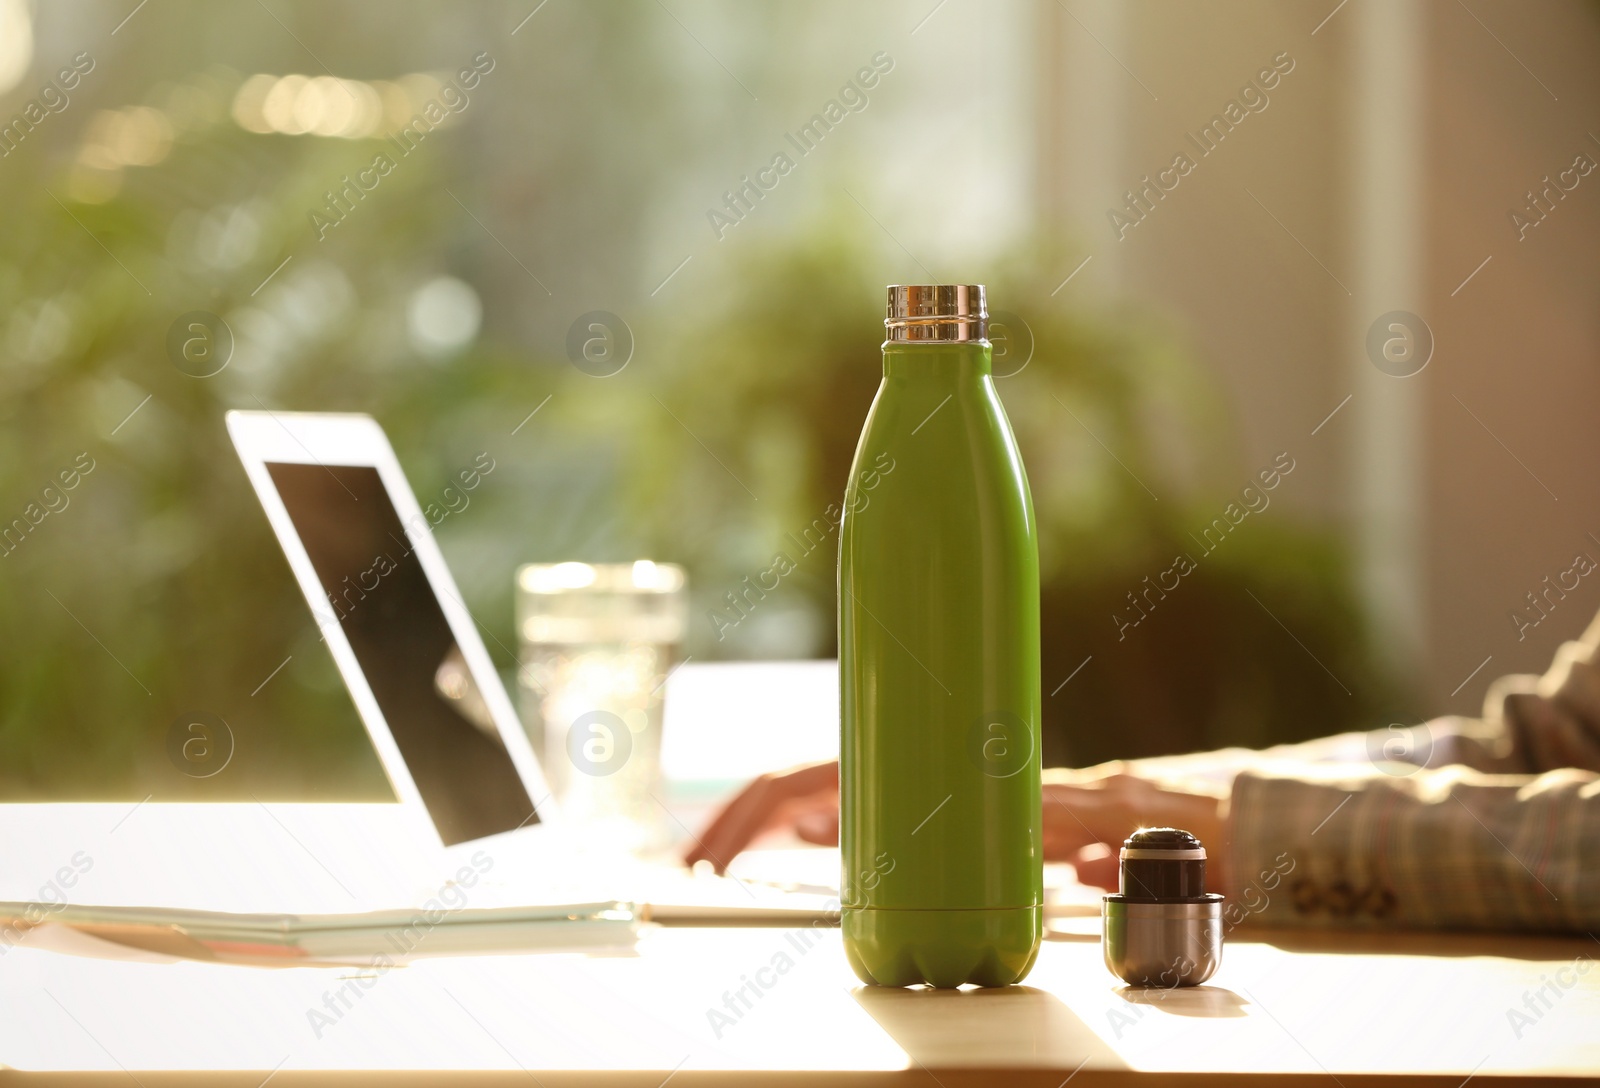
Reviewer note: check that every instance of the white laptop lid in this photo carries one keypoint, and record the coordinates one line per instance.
(364, 555)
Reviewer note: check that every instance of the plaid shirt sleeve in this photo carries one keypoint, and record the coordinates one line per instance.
(1448, 848)
(1491, 824)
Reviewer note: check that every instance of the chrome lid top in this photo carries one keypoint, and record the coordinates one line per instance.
(1163, 843)
(937, 313)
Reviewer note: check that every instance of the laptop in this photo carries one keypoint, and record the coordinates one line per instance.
(476, 825)
(384, 602)
(411, 654)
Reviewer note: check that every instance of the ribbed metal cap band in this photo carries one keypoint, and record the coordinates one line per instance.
(938, 313)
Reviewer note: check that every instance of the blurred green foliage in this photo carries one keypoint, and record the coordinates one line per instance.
(158, 589)
(1109, 412)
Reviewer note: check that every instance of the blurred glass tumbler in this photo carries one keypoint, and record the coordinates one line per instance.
(597, 641)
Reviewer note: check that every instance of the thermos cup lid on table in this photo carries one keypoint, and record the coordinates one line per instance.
(1162, 928)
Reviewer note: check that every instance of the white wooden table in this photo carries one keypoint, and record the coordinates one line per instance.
(1430, 1009)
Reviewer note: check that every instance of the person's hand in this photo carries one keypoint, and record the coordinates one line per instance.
(805, 799)
(1087, 815)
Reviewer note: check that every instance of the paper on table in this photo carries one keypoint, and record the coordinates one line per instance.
(394, 935)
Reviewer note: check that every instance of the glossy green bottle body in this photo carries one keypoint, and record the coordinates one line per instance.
(939, 682)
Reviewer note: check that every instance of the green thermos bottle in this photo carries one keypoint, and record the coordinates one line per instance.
(939, 665)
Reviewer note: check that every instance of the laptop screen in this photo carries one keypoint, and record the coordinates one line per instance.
(379, 594)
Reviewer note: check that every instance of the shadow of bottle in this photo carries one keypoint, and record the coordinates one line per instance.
(1002, 1027)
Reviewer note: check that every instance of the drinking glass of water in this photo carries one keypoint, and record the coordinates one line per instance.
(597, 643)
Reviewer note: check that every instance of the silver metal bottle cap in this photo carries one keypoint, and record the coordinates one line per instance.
(1163, 928)
(937, 313)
